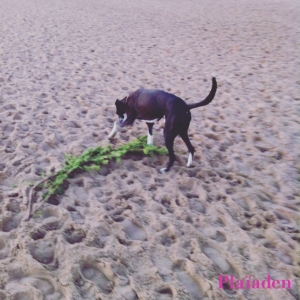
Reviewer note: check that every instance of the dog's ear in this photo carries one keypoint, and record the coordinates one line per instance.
(119, 104)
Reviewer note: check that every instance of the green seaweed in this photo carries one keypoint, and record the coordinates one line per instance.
(92, 160)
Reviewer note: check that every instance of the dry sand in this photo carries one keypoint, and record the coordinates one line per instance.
(127, 231)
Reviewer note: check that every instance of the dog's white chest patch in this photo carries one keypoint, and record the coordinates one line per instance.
(150, 121)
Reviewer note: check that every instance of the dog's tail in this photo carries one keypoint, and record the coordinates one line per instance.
(209, 98)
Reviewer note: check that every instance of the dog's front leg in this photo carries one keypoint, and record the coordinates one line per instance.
(114, 130)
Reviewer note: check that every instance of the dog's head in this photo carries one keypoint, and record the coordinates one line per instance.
(120, 106)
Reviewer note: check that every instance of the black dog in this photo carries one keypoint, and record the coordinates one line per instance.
(151, 106)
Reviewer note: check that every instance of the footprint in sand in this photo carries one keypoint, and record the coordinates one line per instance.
(196, 205)
(164, 293)
(98, 237)
(2, 166)
(163, 263)
(41, 284)
(75, 215)
(21, 296)
(127, 292)
(242, 202)
(188, 282)
(2, 243)
(7, 130)
(13, 206)
(132, 230)
(80, 194)
(123, 286)
(219, 237)
(285, 217)
(8, 224)
(52, 219)
(91, 273)
(191, 286)
(3, 248)
(43, 252)
(38, 234)
(38, 137)
(280, 275)
(52, 224)
(44, 287)
(216, 257)
(167, 239)
(219, 223)
(47, 289)
(73, 236)
(9, 107)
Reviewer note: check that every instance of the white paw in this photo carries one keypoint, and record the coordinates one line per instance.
(150, 140)
(163, 170)
(112, 135)
(190, 160)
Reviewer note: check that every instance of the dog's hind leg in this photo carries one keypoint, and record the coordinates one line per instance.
(169, 141)
(150, 133)
(185, 137)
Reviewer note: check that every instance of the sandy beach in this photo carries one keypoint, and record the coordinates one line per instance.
(128, 232)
